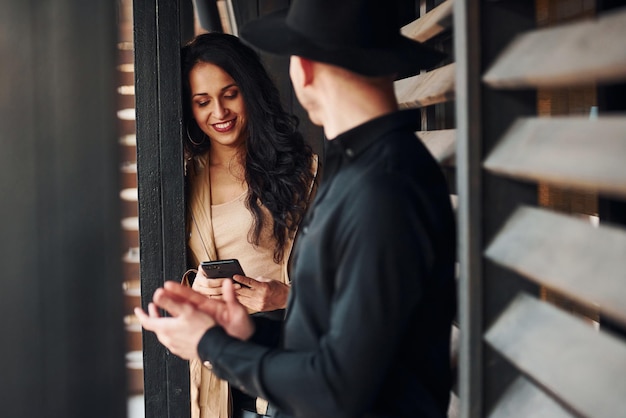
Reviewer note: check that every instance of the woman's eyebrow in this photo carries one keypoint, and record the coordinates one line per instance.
(223, 89)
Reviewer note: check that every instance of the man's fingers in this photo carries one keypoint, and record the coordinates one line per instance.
(173, 305)
(148, 321)
(153, 311)
(228, 292)
(177, 299)
(141, 315)
(176, 290)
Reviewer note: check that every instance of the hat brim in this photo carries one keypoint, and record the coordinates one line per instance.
(401, 56)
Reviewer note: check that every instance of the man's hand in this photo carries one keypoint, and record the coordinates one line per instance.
(192, 314)
(181, 332)
(228, 312)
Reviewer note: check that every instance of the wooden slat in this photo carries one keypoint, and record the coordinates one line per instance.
(431, 24)
(441, 144)
(523, 399)
(583, 262)
(584, 52)
(580, 367)
(575, 153)
(426, 89)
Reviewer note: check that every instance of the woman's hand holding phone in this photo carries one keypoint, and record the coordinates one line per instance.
(210, 287)
(262, 294)
(257, 295)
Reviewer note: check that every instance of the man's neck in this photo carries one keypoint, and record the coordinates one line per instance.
(349, 105)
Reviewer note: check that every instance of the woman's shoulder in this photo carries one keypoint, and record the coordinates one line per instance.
(196, 164)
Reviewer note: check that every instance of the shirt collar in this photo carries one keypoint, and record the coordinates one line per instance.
(351, 143)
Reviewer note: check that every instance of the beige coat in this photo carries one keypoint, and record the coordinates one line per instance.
(210, 396)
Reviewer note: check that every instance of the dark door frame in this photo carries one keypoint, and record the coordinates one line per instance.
(160, 28)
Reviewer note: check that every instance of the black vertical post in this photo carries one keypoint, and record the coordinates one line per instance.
(500, 23)
(481, 31)
(467, 50)
(157, 30)
(61, 312)
(611, 99)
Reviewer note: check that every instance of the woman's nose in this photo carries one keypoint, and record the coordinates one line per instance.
(220, 111)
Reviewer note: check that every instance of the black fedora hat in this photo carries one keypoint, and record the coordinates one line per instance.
(359, 35)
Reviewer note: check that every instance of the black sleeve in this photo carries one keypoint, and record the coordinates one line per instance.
(268, 328)
(378, 284)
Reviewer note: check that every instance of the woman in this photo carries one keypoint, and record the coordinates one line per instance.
(250, 176)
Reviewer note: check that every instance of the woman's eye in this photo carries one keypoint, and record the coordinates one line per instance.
(231, 95)
(202, 104)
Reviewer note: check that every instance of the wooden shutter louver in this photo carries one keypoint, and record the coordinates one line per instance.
(432, 87)
(567, 367)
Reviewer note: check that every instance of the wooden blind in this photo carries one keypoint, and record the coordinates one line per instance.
(431, 87)
(541, 360)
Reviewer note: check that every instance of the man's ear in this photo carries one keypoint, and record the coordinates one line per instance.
(302, 69)
(307, 69)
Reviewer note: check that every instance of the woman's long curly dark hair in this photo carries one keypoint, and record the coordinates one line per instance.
(278, 160)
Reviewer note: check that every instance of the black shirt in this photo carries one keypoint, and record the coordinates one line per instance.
(368, 321)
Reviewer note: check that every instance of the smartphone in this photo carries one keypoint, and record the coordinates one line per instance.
(222, 269)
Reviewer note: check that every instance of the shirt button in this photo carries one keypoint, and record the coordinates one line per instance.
(305, 229)
(349, 152)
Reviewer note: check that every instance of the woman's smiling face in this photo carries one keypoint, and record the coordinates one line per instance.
(217, 105)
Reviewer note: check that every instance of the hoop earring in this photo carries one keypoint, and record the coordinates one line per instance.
(197, 144)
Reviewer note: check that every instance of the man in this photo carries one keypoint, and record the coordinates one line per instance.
(368, 322)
